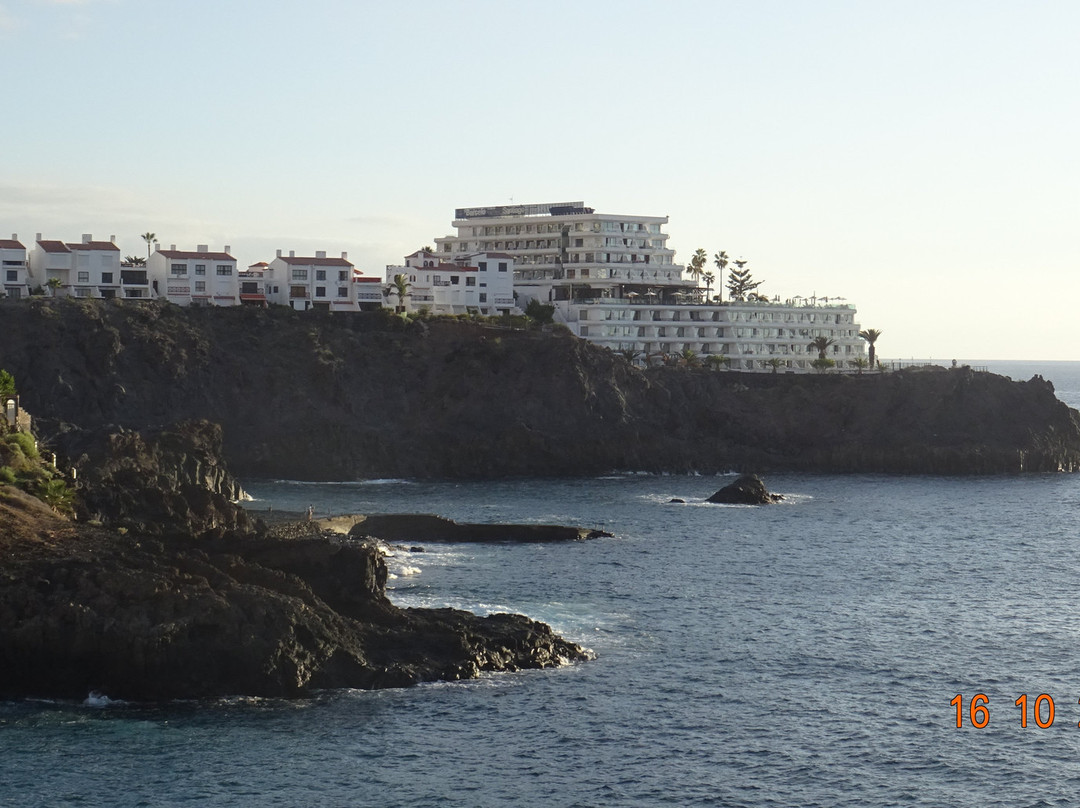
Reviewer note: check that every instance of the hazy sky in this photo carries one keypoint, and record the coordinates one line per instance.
(917, 158)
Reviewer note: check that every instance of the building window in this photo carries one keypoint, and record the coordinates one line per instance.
(483, 297)
(178, 269)
(470, 281)
(455, 280)
(343, 291)
(84, 277)
(482, 266)
(13, 274)
(296, 291)
(502, 266)
(200, 286)
(299, 274)
(224, 269)
(106, 277)
(343, 275)
(320, 291)
(200, 269)
(436, 279)
(320, 274)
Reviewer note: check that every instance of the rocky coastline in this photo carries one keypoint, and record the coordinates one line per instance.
(161, 587)
(164, 589)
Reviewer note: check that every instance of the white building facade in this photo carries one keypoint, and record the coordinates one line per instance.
(304, 282)
(198, 277)
(15, 269)
(480, 283)
(86, 268)
(614, 281)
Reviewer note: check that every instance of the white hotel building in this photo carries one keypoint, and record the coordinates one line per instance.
(614, 281)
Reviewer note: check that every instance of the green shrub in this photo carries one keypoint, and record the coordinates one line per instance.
(7, 475)
(25, 442)
(7, 384)
(56, 494)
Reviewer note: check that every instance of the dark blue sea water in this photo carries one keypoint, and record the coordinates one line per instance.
(802, 654)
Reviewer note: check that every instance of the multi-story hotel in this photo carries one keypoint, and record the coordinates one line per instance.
(614, 281)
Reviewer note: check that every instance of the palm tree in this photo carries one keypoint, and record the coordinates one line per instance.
(721, 260)
(400, 287)
(709, 279)
(697, 264)
(714, 361)
(689, 358)
(149, 238)
(821, 345)
(629, 354)
(870, 335)
(775, 364)
(54, 284)
(860, 364)
(135, 260)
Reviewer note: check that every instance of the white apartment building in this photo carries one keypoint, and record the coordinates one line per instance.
(13, 265)
(83, 269)
(481, 283)
(614, 281)
(198, 277)
(253, 281)
(305, 282)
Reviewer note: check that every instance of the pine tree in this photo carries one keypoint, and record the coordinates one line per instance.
(740, 282)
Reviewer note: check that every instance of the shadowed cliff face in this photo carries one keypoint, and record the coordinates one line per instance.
(319, 396)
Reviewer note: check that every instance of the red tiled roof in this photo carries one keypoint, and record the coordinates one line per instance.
(448, 268)
(207, 256)
(318, 262)
(53, 246)
(260, 264)
(366, 280)
(10, 244)
(93, 245)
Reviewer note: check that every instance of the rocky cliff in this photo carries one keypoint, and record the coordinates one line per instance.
(338, 396)
(172, 592)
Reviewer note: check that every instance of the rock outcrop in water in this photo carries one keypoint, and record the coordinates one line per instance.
(749, 489)
(399, 527)
(322, 396)
(187, 597)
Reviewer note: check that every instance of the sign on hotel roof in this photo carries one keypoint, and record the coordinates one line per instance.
(546, 209)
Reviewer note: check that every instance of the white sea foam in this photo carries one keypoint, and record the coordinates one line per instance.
(96, 699)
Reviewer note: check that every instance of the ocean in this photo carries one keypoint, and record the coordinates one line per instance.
(808, 653)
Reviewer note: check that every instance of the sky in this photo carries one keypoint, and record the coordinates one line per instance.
(916, 158)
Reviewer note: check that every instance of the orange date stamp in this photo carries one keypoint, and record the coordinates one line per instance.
(1041, 710)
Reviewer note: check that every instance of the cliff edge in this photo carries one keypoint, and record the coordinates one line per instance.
(323, 396)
